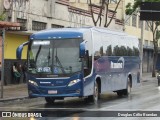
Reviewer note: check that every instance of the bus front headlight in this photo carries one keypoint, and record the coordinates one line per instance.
(73, 82)
(33, 82)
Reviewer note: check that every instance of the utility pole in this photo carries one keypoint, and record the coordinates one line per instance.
(141, 47)
(2, 65)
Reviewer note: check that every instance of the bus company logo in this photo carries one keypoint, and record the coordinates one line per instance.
(6, 114)
(118, 64)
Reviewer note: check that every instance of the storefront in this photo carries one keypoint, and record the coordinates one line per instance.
(12, 41)
(8, 53)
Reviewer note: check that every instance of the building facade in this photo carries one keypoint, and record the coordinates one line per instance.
(133, 25)
(36, 15)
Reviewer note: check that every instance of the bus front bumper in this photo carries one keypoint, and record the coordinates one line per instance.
(62, 91)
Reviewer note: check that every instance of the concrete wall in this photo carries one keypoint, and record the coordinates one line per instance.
(62, 12)
(137, 32)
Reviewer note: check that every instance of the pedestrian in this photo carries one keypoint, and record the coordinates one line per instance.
(24, 69)
(19, 69)
(16, 73)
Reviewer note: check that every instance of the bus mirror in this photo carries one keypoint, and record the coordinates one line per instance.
(19, 50)
(82, 50)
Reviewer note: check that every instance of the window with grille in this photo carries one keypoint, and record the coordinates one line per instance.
(23, 23)
(134, 20)
(110, 1)
(113, 1)
(38, 25)
(56, 26)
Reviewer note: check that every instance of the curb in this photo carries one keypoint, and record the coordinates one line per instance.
(13, 99)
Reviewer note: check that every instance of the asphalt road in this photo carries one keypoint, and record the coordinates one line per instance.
(143, 98)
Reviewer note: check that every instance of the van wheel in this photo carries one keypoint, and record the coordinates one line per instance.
(128, 90)
(49, 100)
(95, 96)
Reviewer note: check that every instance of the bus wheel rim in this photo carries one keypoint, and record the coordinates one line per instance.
(96, 92)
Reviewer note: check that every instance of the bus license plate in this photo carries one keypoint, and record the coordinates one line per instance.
(52, 91)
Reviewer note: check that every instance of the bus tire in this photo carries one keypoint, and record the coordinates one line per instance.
(50, 100)
(94, 98)
(127, 91)
(120, 93)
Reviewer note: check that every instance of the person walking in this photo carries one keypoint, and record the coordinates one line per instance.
(16, 73)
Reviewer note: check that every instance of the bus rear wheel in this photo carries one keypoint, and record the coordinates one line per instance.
(49, 100)
(120, 93)
(128, 90)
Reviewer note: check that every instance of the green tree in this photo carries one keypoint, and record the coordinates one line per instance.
(101, 50)
(123, 51)
(153, 25)
(2, 16)
(116, 51)
(109, 50)
(129, 51)
(135, 51)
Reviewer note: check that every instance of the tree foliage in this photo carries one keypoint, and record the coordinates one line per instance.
(130, 8)
(2, 16)
(121, 51)
(153, 25)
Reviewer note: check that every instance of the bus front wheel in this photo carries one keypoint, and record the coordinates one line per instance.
(49, 100)
(94, 98)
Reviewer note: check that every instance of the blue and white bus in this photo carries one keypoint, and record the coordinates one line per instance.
(81, 62)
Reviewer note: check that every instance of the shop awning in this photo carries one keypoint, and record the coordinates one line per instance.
(9, 24)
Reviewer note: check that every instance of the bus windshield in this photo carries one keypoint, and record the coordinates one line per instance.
(57, 57)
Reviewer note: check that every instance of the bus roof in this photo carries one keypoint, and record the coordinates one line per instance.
(62, 33)
(59, 33)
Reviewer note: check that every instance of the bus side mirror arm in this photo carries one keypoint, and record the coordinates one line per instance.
(20, 49)
(82, 49)
(86, 59)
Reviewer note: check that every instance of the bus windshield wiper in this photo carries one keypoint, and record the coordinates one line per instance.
(60, 65)
(49, 57)
(37, 54)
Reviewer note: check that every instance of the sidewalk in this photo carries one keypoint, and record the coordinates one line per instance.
(148, 76)
(14, 92)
